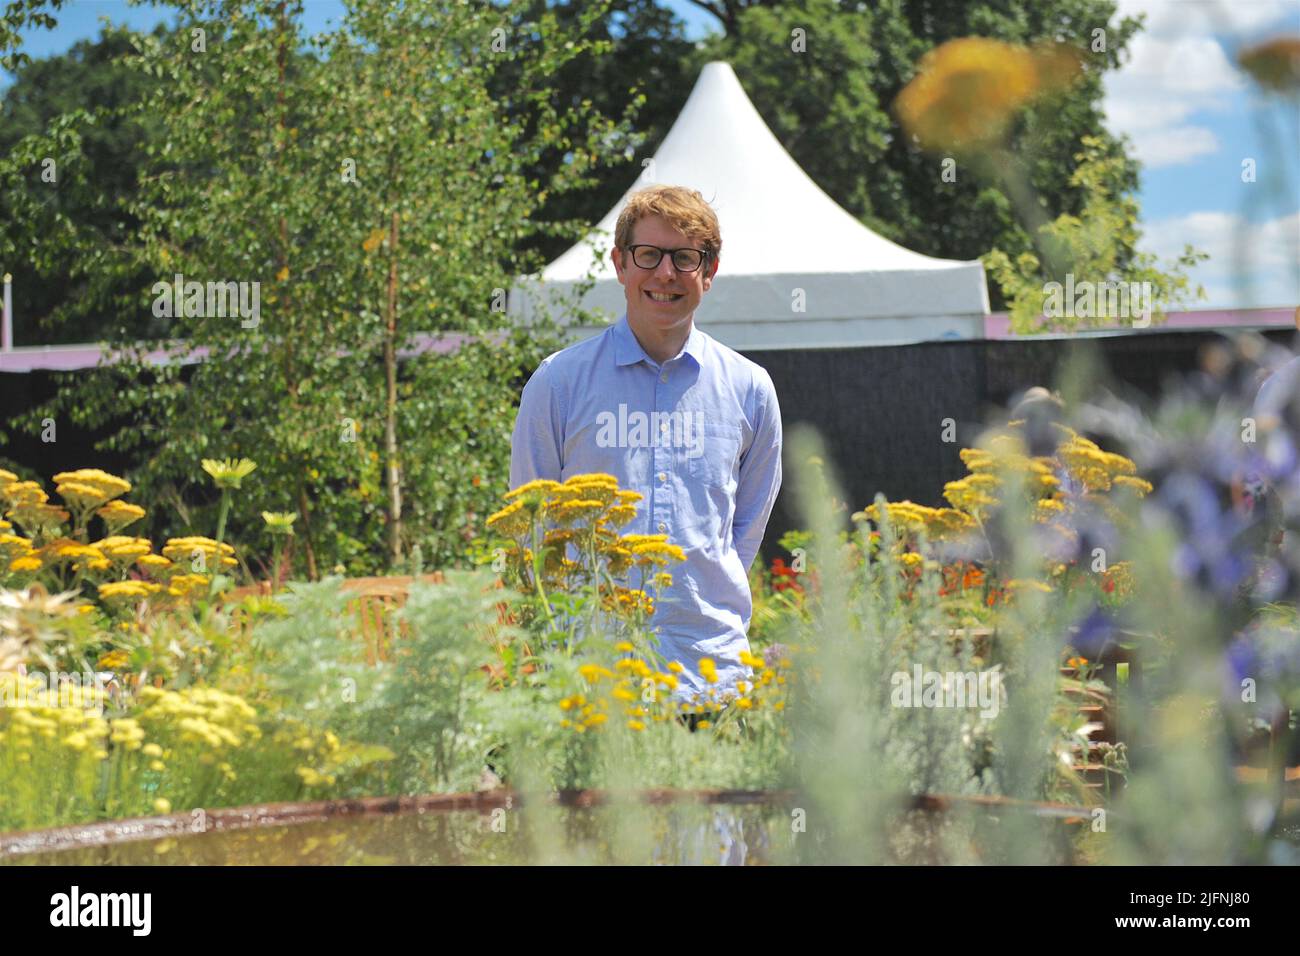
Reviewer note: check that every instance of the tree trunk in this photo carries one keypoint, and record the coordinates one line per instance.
(308, 551)
(390, 411)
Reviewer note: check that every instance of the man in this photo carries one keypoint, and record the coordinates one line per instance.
(676, 416)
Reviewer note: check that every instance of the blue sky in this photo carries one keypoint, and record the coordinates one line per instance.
(1192, 114)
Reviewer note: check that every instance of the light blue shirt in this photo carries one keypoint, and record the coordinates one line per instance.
(700, 437)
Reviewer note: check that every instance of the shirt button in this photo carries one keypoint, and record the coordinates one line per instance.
(663, 476)
(662, 526)
(663, 377)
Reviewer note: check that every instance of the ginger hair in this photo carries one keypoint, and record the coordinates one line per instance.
(683, 209)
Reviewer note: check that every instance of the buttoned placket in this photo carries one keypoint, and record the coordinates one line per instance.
(661, 500)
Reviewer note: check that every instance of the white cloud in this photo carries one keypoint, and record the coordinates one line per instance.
(1236, 17)
(1178, 67)
(1158, 145)
(1250, 264)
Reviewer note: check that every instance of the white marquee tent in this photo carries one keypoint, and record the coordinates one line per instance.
(780, 233)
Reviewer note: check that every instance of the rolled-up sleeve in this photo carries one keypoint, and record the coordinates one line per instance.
(537, 443)
(760, 474)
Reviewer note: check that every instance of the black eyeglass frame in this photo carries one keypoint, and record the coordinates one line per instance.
(703, 254)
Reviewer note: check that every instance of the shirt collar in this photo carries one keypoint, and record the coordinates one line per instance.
(628, 351)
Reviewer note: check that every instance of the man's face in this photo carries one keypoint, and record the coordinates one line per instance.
(681, 291)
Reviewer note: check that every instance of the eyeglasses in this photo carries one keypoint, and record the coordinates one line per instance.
(684, 260)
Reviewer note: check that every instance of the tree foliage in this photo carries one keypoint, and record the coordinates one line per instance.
(374, 190)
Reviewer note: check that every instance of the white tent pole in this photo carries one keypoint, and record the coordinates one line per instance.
(7, 327)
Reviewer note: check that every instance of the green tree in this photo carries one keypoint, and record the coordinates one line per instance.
(377, 194)
(1092, 247)
(19, 14)
(827, 94)
(649, 64)
(67, 299)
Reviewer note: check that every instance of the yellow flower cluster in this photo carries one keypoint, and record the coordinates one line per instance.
(967, 90)
(937, 523)
(200, 550)
(199, 715)
(67, 716)
(766, 691)
(1095, 469)
(127, 592)
(972, 496)
(48, 546)
(583, 514)
(644, 694)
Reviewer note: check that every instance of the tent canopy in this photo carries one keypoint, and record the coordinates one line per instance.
(786, 245)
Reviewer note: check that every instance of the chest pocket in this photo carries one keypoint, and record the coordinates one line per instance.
(718, 457)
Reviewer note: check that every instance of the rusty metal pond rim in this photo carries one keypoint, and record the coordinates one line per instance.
(198, 821)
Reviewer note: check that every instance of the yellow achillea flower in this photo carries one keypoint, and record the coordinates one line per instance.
(901, 514)
(620, 515)
(541, 485)
(618, 560)
(183, 585)
(708, 670)
(109, 486)
(24, 493)
(578, 509)
(124, 548)
(512, 521)
(584, 491)
(118, 514)
(968, 494)
(153, 562)
(1140, 485)
(14, 546)
(127, 590)
(81, 495)
(966, 91)
(593, 478)
(635, 725)
(28, 562)
(183, 549)
(65, 549)
(657, 553)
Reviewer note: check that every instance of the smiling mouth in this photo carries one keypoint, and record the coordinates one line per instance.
(664, 296)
